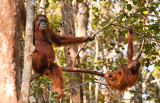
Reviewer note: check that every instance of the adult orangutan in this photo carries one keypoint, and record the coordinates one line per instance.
(44, 55)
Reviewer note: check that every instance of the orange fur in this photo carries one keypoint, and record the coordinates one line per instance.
(125, 77)
(44, 55)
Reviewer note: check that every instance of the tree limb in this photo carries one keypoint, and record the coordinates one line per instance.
(69, 69)
(93, 35)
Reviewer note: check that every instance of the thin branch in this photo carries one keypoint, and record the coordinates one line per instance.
(76, 86)
(120, 26)
(69, 69)
(94, 36)
(126, 28)
(140, 50)
(80, 85)
(35, 75)
(106, 25)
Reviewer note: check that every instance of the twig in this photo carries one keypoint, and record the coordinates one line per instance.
(140, 50)
(94, 36)
(35, 75)
(80, 85)
(76, 86)
(126, 28)
(120, 26)
(106, 25)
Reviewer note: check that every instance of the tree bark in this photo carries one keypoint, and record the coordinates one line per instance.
(70, 52)
(19, 52)
(9, 30)
(26, 77)
(81, 30)
(42, 7)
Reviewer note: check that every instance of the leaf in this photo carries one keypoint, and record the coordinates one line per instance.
(34, 94)
(157, 37)
(134, 2)
(40, 91)
(145, 12)
(79, 1)
(129, 7)
(123, 3)
(47, 4)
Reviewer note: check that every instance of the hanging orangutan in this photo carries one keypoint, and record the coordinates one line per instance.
(127, 75)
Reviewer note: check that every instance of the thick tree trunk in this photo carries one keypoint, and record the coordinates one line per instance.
(9, 30)
(70, 52)
(26, 77)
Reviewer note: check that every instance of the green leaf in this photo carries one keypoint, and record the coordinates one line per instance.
(157, 37)
(129, 7)
(47, 4)
(40, 91)
(123, 3)
(145, 12)
(79, 1)
(34, 94)
(134, 2)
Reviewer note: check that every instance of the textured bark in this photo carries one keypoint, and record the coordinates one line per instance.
(90, 30)
(70, 52)
(42, 6)
(18, 55)
(81, 30)
(26, 77)
(9, 29)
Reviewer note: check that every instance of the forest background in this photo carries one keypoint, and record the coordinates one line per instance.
(106, 52)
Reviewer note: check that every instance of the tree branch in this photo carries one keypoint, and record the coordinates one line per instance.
(69, 69)
(140, 50)
(93, 35)
(35, 75)
(126, 28)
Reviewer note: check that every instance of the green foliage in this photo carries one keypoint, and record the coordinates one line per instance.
(112, 43)
(79, 1)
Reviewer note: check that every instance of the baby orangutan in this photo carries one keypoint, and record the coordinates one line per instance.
(128, 73)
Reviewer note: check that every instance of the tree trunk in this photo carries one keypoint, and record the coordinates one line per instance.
(42, 7)
(70, 52)
(81, 30)
(8, 33)
(90, 29)
(127, 96)
(19, 53)
(26, 77)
